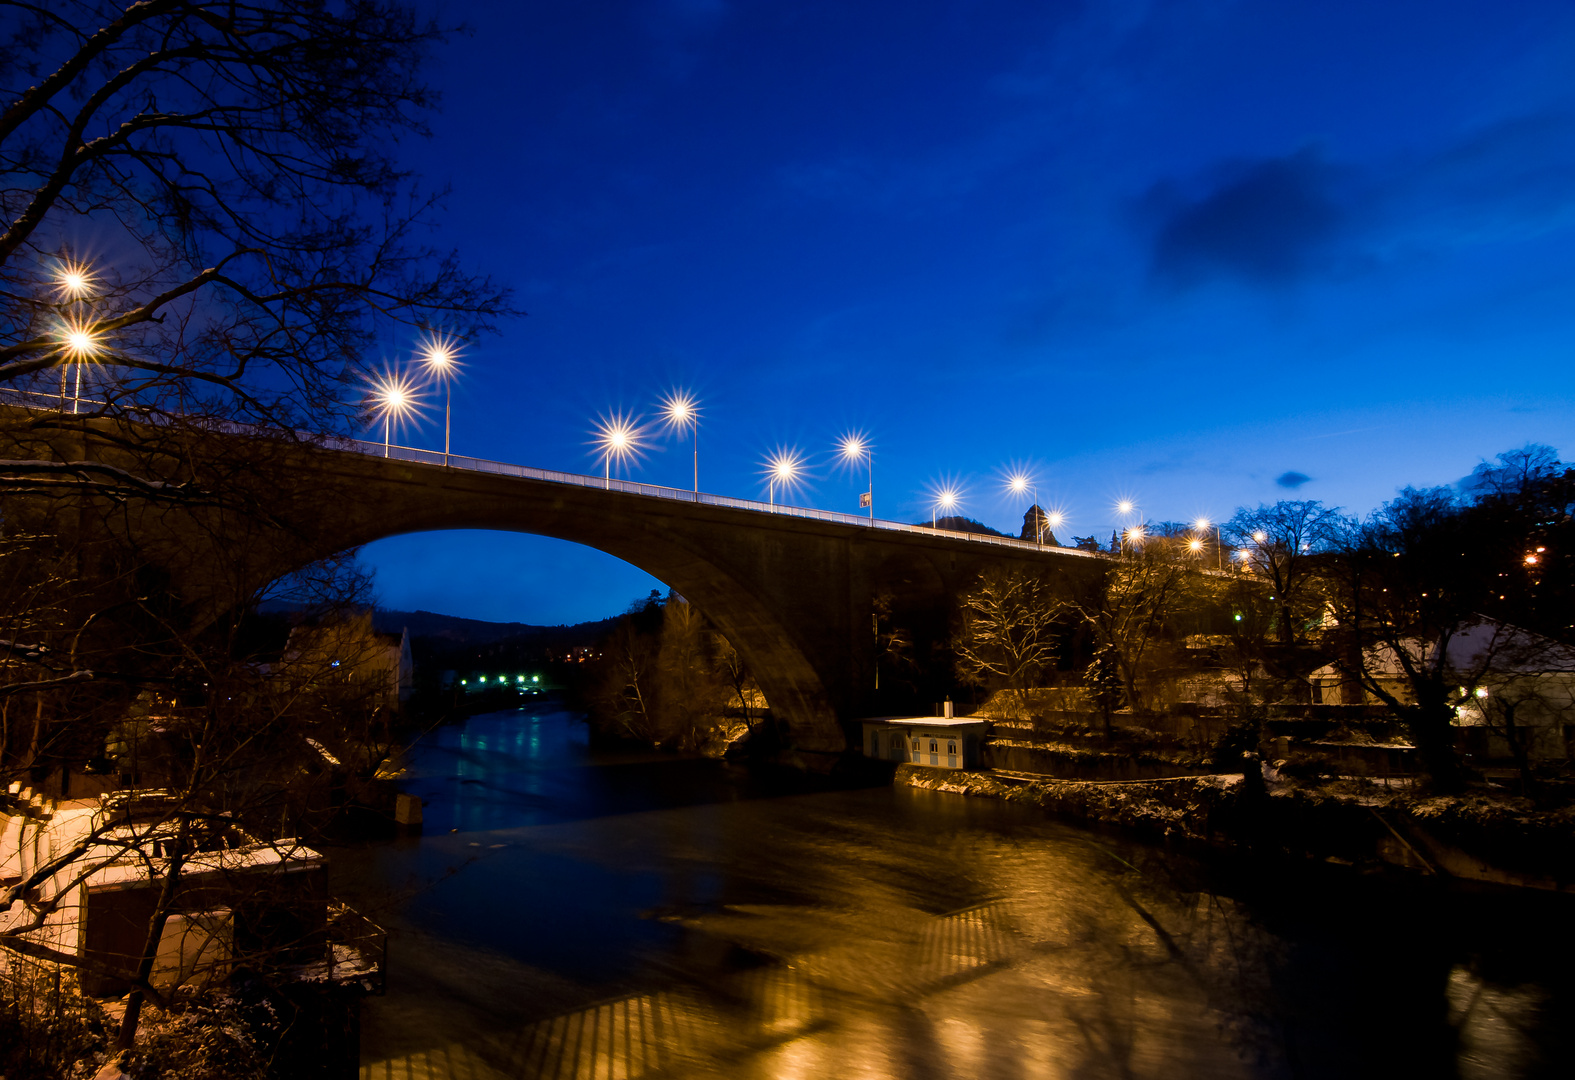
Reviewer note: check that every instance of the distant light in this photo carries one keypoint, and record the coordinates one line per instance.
(482, 678)
(1134, 535)
(535, 678)
(464, 682)
(853, 446)
(1259, 537)
(1018, 483)
(1054, 519)
(1195, 545)
(1243, 554)
(1482, 691)
(1124, 506)
(1202, 523)
(1238, 617)
(1531, 560)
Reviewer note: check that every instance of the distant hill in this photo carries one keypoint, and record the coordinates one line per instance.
(453, 630)
(957, 523)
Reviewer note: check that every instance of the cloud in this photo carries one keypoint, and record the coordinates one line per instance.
(1292, 479)
(1265, 221)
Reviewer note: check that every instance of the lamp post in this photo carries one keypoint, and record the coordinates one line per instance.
(1203, 525)
(1054, 519)
(392, 396)
(440, 362)
(853, 448)
(78, 342)
(1019, 483)
(618, 438)
(1125, 508)
(782, 468)
(683, 411)
(945, 499)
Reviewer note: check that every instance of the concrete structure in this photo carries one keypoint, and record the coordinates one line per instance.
(941, 741)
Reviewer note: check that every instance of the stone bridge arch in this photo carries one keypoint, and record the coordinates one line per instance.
(794, 594)
(794, 591)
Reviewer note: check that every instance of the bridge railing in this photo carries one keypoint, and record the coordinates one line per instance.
(657, 491)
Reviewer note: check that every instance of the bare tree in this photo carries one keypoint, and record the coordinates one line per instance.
(1008, 624)
(1146, 587)
(1401, 587)
(1280, 544)
(236, 161)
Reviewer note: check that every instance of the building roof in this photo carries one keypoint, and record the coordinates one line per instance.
(924, 721)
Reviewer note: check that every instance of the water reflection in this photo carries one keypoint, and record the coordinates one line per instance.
(618, 917)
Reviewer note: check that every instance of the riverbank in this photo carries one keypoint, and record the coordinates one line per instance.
(1464, 838)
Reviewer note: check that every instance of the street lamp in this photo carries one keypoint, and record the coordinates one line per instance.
(1134, 536)
(683, 411)
(1127, 508)
(439, 360)
(1203, 525)
(782, 467)
(78, 341)
(1018, 483)
(945, 499)
(854, 446)
(394, 397)
(618, 437)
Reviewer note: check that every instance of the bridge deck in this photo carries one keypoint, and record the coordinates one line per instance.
(656, 491)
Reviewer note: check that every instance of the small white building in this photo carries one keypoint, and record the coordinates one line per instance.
(943, 742)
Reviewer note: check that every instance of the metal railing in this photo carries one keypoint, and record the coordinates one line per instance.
(628, 487)
(656, 491)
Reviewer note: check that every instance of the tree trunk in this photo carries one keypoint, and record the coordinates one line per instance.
(150, 949)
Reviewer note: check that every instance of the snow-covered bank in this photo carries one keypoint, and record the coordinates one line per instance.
(1469, 838)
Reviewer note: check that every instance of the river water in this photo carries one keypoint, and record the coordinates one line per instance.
(573, 914)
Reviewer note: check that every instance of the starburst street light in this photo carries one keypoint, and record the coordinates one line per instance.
(853, 447)
(618, 437)
(1020, 483)
(1135, 535)
(74, 279)
(782, 468)
(440, 357)
(680, 410)
(1203, 525)
(945, 499)
(79, 343)
(394, 397)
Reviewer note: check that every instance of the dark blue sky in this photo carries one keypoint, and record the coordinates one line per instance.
(1198, 254)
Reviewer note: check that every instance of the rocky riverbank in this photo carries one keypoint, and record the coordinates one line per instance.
(1473, 838)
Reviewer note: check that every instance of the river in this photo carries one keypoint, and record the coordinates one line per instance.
(567, 913)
